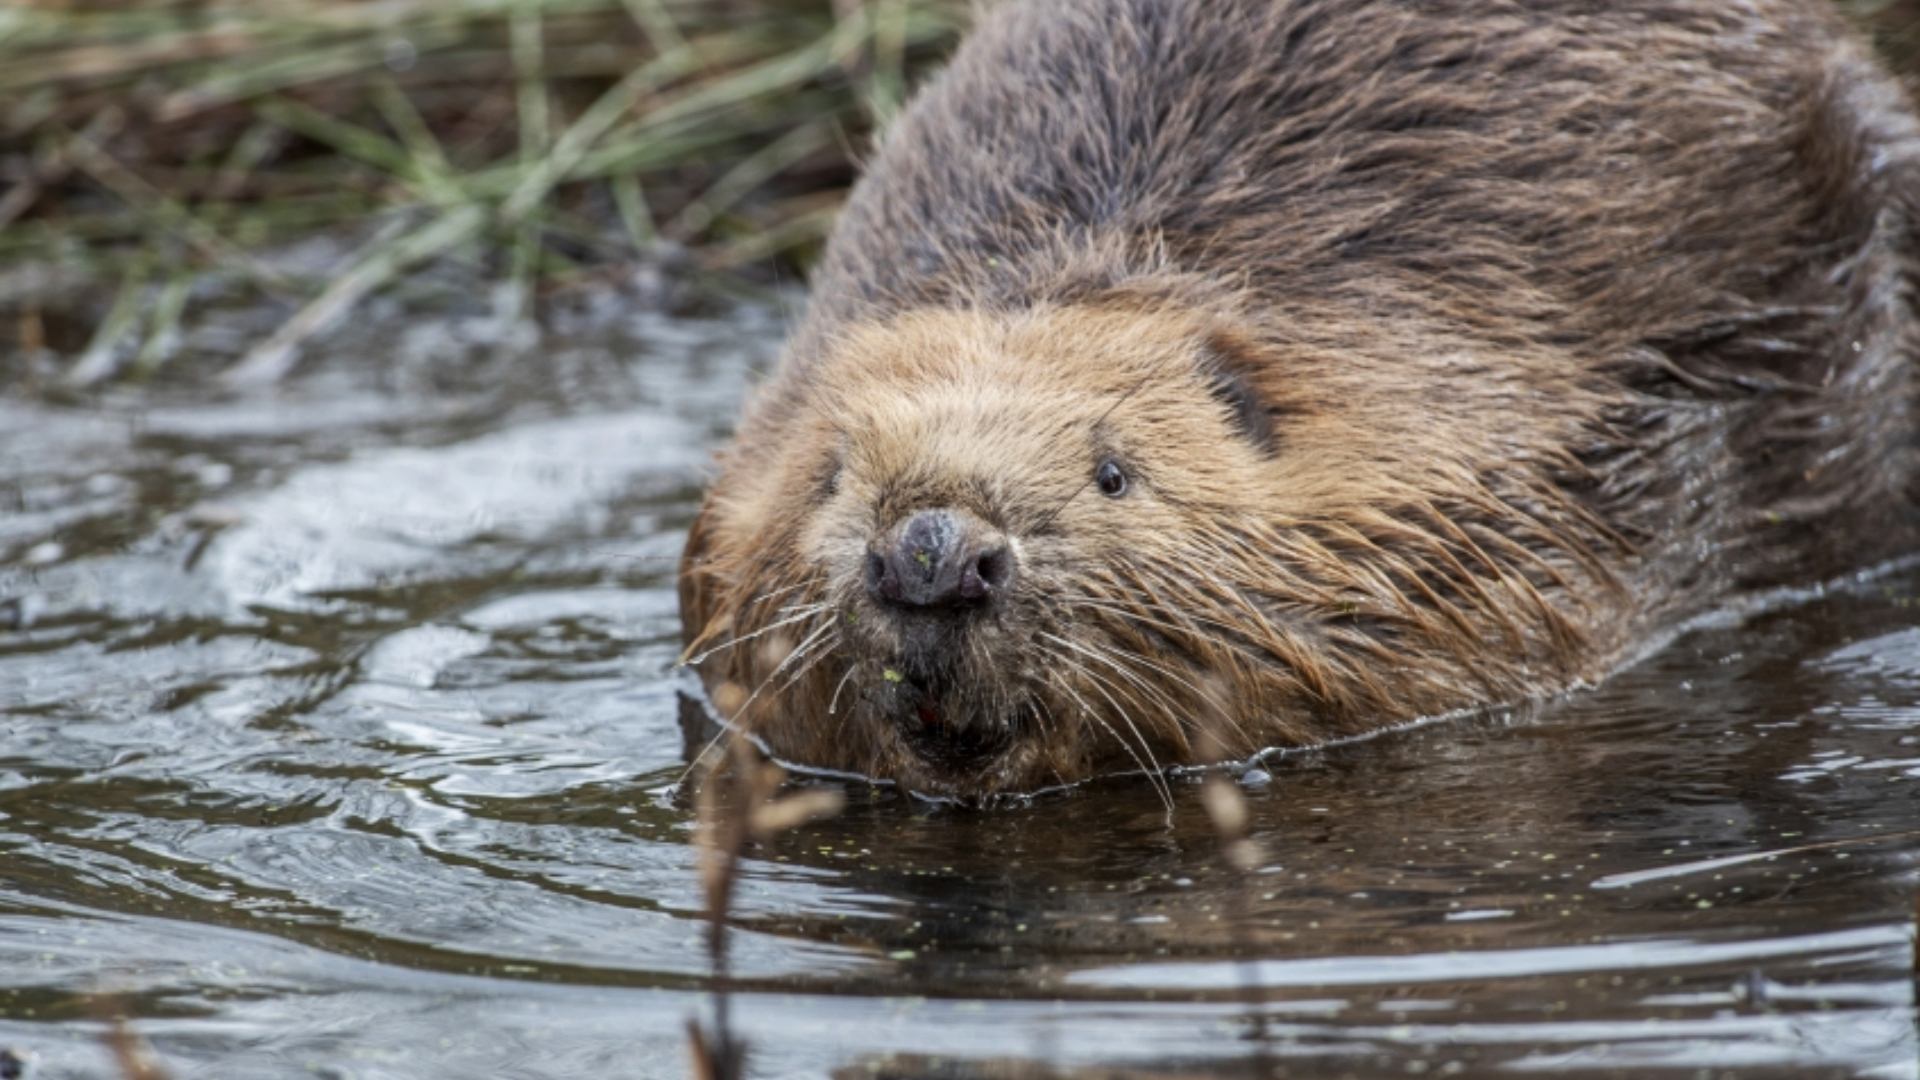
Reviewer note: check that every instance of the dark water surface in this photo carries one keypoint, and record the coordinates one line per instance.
(336, 736)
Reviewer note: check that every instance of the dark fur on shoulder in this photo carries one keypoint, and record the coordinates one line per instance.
(1453, 349)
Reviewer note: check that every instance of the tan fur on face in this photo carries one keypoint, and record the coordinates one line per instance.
(1312, 592)
(1567, 322)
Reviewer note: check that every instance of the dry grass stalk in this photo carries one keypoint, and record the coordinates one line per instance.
(130, 1053)
(1225, 803)
(563, 135)
(738, 804)
(1226, 807)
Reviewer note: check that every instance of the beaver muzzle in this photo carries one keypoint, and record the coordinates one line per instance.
(934, 577)
(932, 721)
(939, 560)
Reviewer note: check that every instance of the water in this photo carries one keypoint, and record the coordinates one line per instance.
(337, 733)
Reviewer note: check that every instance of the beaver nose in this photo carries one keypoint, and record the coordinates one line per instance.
(940, 559)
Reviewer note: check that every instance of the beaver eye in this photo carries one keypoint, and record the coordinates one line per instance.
(1111, 478)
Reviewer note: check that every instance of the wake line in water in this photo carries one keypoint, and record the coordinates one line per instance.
(1727, 615)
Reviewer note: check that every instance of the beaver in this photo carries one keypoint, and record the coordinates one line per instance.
(1289, 369)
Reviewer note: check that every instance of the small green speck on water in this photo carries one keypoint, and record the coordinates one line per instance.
(923, 558)
(893, 676)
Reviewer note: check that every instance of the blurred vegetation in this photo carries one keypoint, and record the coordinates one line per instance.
(148, 145)
(158, 153)
(1895, 28)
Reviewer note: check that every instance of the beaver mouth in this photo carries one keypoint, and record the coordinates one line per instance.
(949, 740)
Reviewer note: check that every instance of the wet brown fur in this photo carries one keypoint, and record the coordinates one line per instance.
(1564, 322)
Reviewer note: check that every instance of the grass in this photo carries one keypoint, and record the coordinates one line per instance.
(148, 147)
(159, 156)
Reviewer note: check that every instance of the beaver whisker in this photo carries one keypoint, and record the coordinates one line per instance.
(1275, 639)
(1161, 697)
(1263, 637)
(797, 617)
(1101, 653)
(812, 663)
(1190, 628)
(1100, 684)
(743, 606)
(1206, 645)
(798, 652)
(1204, 651)
(811, 641)
(1152, 775)
(782, 591)
(1043, 713)
(1045, 723)
(808, 607)
(833, 705)
(1228, 589)
(1146, 576)
(1202, 697)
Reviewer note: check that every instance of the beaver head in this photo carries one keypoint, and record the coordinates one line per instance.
(977, 552)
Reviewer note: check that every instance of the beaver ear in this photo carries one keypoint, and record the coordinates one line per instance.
(1227, 364)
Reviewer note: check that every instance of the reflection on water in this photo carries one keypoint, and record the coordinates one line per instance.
(337, 733)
